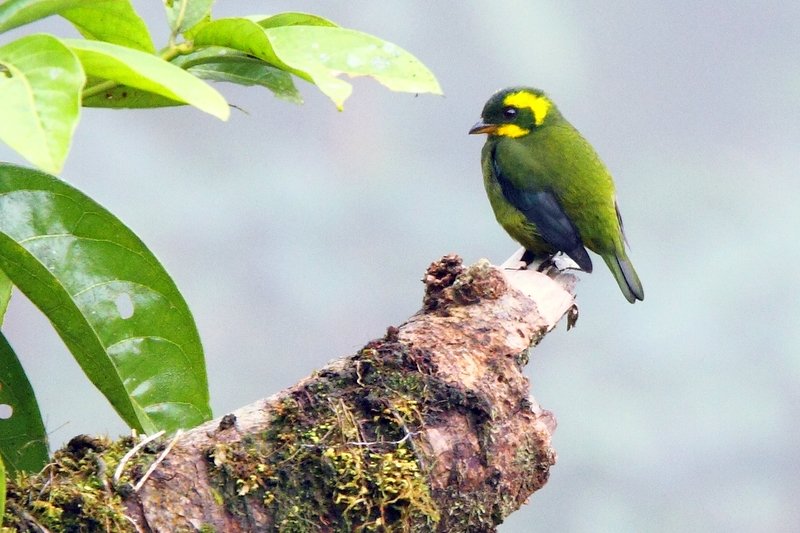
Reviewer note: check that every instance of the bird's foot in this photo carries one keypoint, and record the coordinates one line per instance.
(556, 264)
(529, 257)
(551, 265)
(546, 265)
(563, 262)
(524, 259)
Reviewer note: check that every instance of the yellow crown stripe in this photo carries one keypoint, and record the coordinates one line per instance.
(539, 105)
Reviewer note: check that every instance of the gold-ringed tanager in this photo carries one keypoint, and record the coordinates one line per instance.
(548, 187)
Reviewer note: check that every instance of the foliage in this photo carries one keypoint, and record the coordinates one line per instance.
(112, 303)
(2, 491)
(107, 296)
(44, 80)
(23, 440)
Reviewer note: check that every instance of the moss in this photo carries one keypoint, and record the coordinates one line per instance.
(73, 493)
(339, 454)
(471, 510)
(522, 358)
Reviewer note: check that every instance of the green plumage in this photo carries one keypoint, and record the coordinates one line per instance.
(548, 187)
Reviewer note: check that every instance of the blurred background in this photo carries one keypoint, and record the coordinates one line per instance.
(297, 234)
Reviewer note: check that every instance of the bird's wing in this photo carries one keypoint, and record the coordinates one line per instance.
(543, 209)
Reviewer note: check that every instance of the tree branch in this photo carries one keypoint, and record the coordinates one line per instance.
(427, 429)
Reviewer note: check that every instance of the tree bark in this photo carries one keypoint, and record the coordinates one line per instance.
(430, 428)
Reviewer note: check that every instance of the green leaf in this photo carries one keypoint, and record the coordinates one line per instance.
(14, 13)
(23, 439)
(189, 33)
(243, 35)
(5, 295)
(146, 72)
(112, 21)
(324, 52)
(292, 19)
(2, 490)
(185, 14)
(124, 97)
(40, 84)
(225, 65)
(320, 53)
(112, 303)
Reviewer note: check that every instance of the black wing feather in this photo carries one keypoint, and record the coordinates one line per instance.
(543, 209)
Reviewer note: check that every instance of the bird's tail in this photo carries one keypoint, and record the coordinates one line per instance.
(626, 277)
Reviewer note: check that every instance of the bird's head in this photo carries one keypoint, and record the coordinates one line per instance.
(514, 112)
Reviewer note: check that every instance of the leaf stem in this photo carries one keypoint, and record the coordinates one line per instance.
(178, 23)
(167, 55)
(222, 59)
(98, 88)
(175, 50)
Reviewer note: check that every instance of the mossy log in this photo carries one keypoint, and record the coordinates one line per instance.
(430, 428)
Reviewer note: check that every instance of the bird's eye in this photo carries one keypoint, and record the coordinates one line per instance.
(509, 112)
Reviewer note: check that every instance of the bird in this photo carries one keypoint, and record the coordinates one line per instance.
(548, 187)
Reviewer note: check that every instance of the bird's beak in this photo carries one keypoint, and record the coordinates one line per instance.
(480, 127)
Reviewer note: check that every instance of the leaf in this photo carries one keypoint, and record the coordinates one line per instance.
(292, 19)
(249, 73)
(124, 97)
(2, 490)
(112, 303)
(225, 65)
(40, 84)
(188, 34)
(193, 12)
(14, 13)
(324, 52)
(148, 73)
(23, 439)
(111, 21)
(5, 295)
(243, 35)
(320, 53)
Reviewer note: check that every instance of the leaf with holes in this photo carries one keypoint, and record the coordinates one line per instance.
(74, 260)
(23, 439)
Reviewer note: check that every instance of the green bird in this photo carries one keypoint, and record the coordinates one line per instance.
(548, 187)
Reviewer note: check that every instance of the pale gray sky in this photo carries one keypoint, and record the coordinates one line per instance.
(297, 234)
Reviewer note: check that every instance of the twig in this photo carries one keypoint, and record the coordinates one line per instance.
(158, 461)
(132, 452)
(134, 523)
